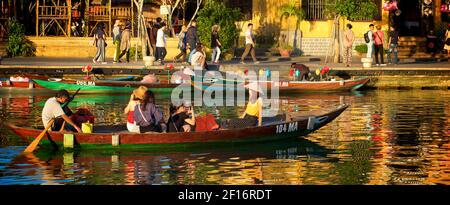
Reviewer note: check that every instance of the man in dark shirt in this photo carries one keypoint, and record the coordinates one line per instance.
(154, 32)
(192, 38)
(393, 45)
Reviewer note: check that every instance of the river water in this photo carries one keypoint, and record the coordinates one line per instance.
(384, 137)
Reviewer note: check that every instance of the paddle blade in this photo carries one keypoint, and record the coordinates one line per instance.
(36, 141)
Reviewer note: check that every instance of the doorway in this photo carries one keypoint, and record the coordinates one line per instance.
(409, 21)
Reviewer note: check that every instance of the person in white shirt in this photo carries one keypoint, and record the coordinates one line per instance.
(249, 44)
(161, 51)
(199, 57)
(52, 109)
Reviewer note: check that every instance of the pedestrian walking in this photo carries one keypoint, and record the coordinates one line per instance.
(249, 45)
(215, 45)
(379, 48)
(161, 51)
(125, 42)
(192, 38)
(393, 45)
(349, 38)
(116, 40)
(181, 45)
(99, 41)
(199, 57)
(154, 32)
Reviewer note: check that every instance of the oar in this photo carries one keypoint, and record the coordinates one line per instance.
(36, 141)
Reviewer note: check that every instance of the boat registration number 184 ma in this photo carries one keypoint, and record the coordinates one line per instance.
(287, 127)
(88, 83)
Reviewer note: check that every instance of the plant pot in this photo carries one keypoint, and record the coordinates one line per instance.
(149, 61)
(285, 52)
(361, 55)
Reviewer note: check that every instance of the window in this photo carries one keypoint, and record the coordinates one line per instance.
(314, 9)
(244, 5)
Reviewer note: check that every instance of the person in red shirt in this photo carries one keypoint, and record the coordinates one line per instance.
(378, 37)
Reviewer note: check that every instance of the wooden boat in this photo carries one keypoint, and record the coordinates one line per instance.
(343, 85)
(7, 82)
(104, 136)
(102, 85)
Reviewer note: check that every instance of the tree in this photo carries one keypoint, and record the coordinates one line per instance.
(350, 10)
(215, 12)
(288, 10)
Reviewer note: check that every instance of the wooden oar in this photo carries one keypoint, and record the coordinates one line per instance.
(36, 141)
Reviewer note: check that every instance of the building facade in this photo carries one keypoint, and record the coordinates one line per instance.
(415, 19)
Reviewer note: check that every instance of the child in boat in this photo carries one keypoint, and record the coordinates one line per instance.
(182, 118)
(138, 94)
(147, 116)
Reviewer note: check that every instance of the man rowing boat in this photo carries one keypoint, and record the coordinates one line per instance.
(53, 109)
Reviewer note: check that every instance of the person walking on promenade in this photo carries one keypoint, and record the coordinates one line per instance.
(153, 33)
(349, 38)
(370, 42)
(192, 38)
(125, 42)
(116, 40)
(161, 51)
(181, 45)
(447, 41)
(99, 41)
(379, 49)
(249, 45)
(393, 45)
(215, 44)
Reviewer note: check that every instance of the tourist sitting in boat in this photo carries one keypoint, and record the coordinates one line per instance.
(300, 71)
(52, 109)
(182, 118)
(147, 116)
(136, 96)
(253, 112)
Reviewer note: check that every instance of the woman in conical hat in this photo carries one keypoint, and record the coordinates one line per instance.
(138, 94)
(253, 111)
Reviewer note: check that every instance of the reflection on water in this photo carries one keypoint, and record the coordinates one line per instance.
(385, 137)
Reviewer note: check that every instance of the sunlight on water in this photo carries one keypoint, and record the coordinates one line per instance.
(384, 137)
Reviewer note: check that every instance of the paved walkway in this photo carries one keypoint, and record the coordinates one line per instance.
(313, 62)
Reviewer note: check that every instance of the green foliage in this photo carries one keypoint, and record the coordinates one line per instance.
(18, 44)
(133, 52)
(290, 9)
(361, 48)
(215, 12)
(351, 9)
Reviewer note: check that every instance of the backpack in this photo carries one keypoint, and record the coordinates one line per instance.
(366, 37)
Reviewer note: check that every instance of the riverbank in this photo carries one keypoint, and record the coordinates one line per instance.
(404, 75)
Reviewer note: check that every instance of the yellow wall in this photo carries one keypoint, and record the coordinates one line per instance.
(265, 15)
(81, 47)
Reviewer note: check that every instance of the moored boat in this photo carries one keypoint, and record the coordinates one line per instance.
(102, 86)
(342, 85)
(105, 136)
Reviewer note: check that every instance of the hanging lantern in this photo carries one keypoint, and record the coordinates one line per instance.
(390, 5)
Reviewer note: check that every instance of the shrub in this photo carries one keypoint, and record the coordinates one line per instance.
(215, 12)
(133, 52)
(18, 44)
(361, 48)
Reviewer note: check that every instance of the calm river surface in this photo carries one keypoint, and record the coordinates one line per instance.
(385, 137)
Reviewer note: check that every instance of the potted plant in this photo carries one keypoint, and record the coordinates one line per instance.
(285, 50)
(361, 50)
(286, 11)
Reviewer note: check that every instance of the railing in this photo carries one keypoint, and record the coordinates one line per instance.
(53, 11)
(314, 9)
(99, 13)
(120, 12)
